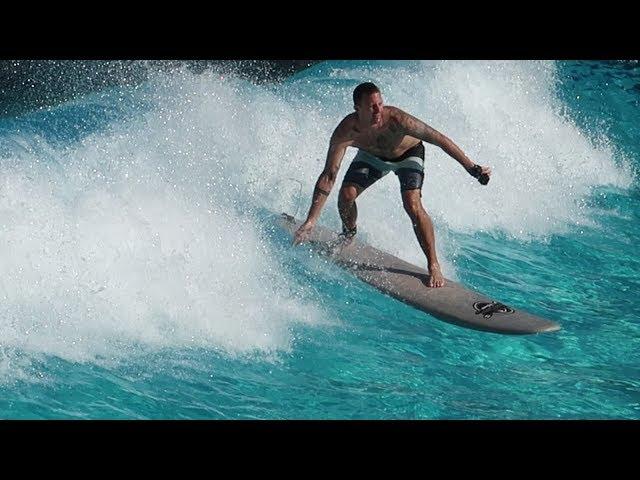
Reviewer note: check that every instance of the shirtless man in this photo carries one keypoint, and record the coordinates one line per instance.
(388, 139)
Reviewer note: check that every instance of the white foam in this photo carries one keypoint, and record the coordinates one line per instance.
(139, 236)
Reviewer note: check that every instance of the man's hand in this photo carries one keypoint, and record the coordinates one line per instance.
(481, 173)
(303, 233)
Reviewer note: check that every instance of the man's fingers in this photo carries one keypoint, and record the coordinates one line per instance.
(298, 238)
(301, 235)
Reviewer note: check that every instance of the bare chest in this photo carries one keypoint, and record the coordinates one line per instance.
(388, 141)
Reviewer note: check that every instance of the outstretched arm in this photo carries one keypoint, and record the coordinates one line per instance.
(418, 129)
(337, 148)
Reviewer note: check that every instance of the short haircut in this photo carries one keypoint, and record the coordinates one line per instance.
(366, 88)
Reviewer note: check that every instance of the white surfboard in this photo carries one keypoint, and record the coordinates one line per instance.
(453, 303)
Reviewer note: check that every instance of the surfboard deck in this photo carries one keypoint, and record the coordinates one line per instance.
(453, 303)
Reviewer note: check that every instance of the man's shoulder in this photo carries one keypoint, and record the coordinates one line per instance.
(395, 112)
(349, 120)
(346, 125)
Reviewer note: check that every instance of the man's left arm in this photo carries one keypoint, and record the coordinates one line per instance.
(418, 129)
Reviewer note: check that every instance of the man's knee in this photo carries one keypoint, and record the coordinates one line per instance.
(348, 194)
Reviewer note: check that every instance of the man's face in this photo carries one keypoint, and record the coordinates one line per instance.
(370, 108)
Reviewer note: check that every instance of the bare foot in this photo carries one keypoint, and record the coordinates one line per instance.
(346, 237)
(435, 278)
(345, 240)
(342, 242)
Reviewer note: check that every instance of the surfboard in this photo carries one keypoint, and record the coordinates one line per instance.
(453, 303)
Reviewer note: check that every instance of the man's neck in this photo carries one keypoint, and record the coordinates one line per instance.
(369, 126)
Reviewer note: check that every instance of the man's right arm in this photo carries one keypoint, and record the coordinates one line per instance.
(337, 148)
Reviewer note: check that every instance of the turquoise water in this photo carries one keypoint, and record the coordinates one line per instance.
(144, 275)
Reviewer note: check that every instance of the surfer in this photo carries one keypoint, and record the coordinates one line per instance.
(388, 139)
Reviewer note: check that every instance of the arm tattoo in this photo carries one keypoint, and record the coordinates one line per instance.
(321, 191)
(419, 129)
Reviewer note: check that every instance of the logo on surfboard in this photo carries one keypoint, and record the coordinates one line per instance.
(487, 309)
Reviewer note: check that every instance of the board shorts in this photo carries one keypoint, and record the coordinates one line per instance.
(366, 169)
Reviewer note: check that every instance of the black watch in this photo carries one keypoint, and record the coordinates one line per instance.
(476, 171)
